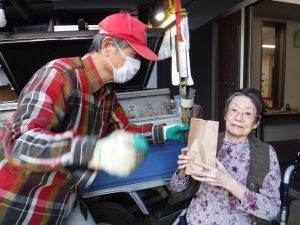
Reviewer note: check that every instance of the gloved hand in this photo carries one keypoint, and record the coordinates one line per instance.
(175, 132)
(120, 153)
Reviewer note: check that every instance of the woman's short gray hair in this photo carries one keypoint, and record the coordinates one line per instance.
(98, 39)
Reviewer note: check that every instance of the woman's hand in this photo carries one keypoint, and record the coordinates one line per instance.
(218, 176)
(183, 161)
(214, 176)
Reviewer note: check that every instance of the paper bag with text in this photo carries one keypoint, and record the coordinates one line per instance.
(202, 142)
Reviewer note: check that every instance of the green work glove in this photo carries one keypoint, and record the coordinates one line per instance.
(175, 132)
(119, 154)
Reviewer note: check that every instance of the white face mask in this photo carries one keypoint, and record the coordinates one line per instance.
(127, 71)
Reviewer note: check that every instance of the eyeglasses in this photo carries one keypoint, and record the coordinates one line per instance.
(233, 112)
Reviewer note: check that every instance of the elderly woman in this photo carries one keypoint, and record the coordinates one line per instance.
(244, 186)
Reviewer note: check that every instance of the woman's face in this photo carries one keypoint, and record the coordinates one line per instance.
(240, 118)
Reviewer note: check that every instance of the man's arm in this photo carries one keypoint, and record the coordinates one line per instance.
(30, 139)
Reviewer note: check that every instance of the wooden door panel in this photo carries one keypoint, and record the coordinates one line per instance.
(228, 60)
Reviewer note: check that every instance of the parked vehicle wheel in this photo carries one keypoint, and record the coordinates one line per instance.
(110, 213)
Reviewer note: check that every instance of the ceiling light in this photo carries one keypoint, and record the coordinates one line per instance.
(2, 15)
(268, 46)
(159, 10)
(159, 16)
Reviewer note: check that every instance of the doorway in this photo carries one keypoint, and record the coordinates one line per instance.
(272, 63)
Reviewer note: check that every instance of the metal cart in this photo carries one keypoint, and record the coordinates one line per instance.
(154, 172)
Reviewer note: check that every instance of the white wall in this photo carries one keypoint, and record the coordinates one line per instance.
(292, 69)
(267, 62)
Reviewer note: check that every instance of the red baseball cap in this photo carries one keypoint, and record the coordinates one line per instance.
(126, 27)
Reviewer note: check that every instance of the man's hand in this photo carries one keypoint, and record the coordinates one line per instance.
(120, 153)
(175, 132)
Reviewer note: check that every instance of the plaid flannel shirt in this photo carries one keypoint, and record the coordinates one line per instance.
(61, 113)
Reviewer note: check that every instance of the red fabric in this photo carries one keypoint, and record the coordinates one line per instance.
(178, 20)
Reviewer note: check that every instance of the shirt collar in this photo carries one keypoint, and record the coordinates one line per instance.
(92, 74)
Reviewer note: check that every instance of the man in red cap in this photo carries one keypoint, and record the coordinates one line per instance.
(69, 125)
(128, 28)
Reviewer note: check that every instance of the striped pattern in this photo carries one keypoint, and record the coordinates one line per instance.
(61, 113)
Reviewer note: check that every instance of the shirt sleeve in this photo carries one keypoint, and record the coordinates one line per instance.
(153, 133)
(266, 203)
(177, 184)
(32, 139)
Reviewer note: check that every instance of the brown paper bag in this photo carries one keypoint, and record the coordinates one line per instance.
(202, 142)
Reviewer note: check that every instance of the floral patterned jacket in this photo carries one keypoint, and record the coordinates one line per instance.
(215, 205)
